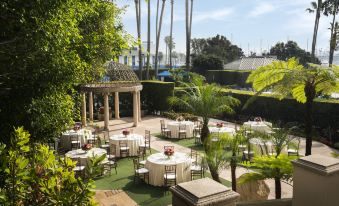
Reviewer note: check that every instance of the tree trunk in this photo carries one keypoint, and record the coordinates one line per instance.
(158, 38)
(277, 188)
(308, 127)
(187, 36)
(171, 36)
(148, 38)
(233, 172)
(204, 131)
(316, 25)
(333, 39)
(214, 174)
(138, 18)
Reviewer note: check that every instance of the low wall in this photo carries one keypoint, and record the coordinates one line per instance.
(282, 202)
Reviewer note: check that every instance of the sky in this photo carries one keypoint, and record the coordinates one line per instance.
(253, 25)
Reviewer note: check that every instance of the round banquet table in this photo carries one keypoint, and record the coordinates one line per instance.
(230, 131)
(174, 128)
(156, 166)
(84, 156)
(65, 140)
(258, 126)
(133, 142)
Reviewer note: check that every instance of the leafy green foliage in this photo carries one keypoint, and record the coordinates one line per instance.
(47, 48)
(285, 51)
(269, 167)
(204, 62)
(33, 175)
(95, 167)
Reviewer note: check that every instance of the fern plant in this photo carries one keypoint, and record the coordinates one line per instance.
(304, 84)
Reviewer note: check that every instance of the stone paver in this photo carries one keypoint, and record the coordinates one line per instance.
(152, 123)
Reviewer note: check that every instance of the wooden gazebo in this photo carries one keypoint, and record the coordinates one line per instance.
(118, 78)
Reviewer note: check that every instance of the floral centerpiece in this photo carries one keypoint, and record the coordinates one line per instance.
(125, 132)
(257, 119)
(86, 147)
(76, 127)
(220, 124)
(169, 152)
(180, 119)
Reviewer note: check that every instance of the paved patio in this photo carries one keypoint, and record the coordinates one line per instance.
(152, 123)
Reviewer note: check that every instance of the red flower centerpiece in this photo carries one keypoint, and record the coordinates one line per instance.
(125, 132)
(76, 127)
(86, 147)
(220, 124)
(169, 152)
(257, 119)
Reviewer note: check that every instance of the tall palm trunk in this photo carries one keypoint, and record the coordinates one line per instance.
(233, 171)
(277, 183)
(138, 18)
(316, 26)
(187, 36)
(158, 37)
(148, 38)
(333, 39)
(310, 95)
(171, 36)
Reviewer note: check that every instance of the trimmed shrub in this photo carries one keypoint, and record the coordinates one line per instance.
(155, 94)
(202, 63)
(234, 78)
(174, 115)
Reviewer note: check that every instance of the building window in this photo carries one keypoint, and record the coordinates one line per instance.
(133, 60)
(126, 60)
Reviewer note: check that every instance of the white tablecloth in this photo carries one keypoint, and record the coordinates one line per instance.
(174, 128)
(84, 156)
(156, 166)
(230, 131)
(65, 140)
(133, 141)
(258, 126)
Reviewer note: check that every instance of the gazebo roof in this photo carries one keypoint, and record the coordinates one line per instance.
(118, 78)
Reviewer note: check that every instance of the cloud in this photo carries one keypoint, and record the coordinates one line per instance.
(262, 8)
(217, 15)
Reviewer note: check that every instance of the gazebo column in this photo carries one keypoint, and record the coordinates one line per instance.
(116, 105)
(90, 106)
(106, 111)
(83, 110)
(139, 106)
(135, 109)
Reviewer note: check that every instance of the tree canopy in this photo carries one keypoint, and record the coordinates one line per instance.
(48, 47)
(285, 51)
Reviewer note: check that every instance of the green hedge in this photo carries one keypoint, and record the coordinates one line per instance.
(154, 95)
(234, 78)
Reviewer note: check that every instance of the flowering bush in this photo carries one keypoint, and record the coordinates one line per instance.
(87, 147)
(169, 151)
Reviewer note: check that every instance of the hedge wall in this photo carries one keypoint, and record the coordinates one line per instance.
(233, 78)
(154, 95)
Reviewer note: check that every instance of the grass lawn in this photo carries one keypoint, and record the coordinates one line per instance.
(141, 193)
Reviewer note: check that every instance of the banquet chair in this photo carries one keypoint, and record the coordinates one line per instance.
(140, 172)
(109, 164)
(197, 170)
(197, 128)
(194, 156)
(142, 155)
(293, 148)
(164, 131)
(106, 142)
(170, 176)
(112, 152)
(75, 142)
(79, 169)
(124, 149)
(182, 131)
(147, 143)
(92, 139)
(197, 136)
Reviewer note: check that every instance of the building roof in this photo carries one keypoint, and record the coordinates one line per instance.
(249, 63)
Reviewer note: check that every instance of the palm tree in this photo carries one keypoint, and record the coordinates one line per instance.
(331, 7)
(138, 18)
(189, 15)
(158, 28)
(205, 101)
(171, 36)
(148, 38)
(316, 7)
(289, 78)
